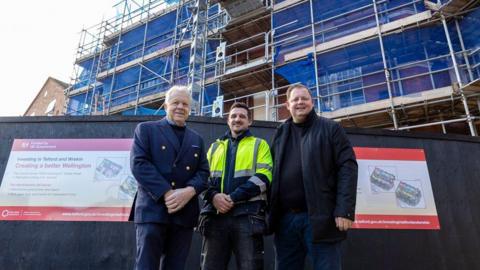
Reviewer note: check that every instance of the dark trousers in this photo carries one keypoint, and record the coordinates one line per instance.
(293, 242)
(242, 235)
(155, 241)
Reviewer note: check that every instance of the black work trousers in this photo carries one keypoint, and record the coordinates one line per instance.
(240, 235)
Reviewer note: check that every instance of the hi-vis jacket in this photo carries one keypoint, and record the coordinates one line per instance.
(241, 168)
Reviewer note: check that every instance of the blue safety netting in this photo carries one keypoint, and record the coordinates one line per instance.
(291, 30)
(332, 20)
(76, 104)
(87, 69)
(211, 92)
(390, 11)
(419, 59)
(138, 81)
(469, 27)
(143, 80)
(210, 58)
(351, 75)
(157, 34)
(144, 111)
(85, 103)
(300, 71)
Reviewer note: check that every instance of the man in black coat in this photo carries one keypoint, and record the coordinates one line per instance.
(169, 163)
(312, 202)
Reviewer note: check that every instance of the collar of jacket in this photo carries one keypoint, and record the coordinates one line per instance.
(308, 122)
(228, 135)
(171, 123)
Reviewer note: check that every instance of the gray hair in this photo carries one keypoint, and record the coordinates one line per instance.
(177, 89)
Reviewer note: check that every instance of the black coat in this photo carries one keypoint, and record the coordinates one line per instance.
(159, 164)
(329, 172)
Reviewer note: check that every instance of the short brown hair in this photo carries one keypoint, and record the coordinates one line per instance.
(297, 85)
(241, 105)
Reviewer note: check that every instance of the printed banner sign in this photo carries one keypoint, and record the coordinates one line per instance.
(68, 179)
(90, 180)
(394, 190)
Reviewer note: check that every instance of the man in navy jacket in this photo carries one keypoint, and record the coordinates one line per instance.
(169, 163)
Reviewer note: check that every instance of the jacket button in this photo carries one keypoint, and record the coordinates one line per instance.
(196, 155)
(188, 168)
(163, 147)
(173, 183)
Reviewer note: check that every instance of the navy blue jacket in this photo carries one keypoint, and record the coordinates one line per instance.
(159, 164)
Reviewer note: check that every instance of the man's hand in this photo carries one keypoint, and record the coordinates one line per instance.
(222, 202)
(343, 224)
(176, 199)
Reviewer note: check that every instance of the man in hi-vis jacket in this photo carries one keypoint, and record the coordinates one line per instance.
(233, 219)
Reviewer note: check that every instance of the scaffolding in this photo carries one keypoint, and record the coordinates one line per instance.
(402, 65)
(125, 64)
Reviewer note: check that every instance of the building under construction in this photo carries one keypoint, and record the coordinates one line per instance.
(396, 64)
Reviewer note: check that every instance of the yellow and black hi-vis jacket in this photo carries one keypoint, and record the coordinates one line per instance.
(241, 168)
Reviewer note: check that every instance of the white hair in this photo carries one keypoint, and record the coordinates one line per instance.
(177, 89)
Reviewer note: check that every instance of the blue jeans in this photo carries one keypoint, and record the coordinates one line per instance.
(242, 235)
(293, 242)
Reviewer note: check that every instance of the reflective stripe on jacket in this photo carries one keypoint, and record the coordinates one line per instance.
(252, 172)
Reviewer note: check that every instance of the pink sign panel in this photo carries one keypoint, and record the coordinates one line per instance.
(68, 180)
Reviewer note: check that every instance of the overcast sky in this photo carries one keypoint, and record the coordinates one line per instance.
(38, 40)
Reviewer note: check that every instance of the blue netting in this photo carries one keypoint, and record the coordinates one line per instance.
(332, 20)
(470, 25)
(210, 94)
(144, 111)
(76, 104)
(394, 10)
(419, 59)
(210, 58)
(301, 71)
(87, 74)
(150, 82)
(160, 32)
(84, 103)
(291, 30)
(351, 75)
(126, 86)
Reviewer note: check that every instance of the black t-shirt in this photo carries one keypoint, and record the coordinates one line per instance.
(179, 131)
(292, 192)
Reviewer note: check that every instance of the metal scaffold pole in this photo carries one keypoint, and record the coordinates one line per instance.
(314, 50)
(117, 46)
(469, 117)
(197, 53)
(140, 73)
(385, 67)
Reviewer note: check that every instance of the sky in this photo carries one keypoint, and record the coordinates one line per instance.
(39, 39)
